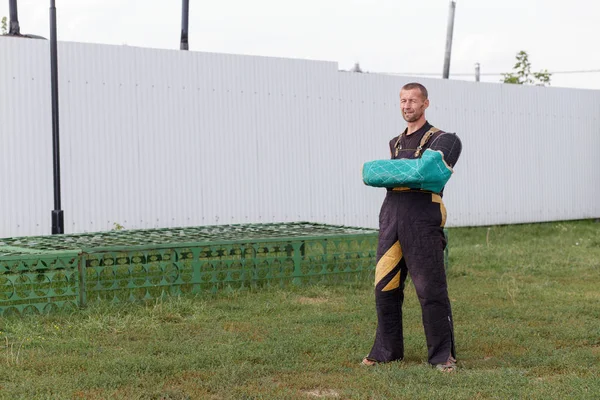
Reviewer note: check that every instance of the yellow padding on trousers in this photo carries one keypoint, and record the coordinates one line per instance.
(387, 262)
(394, 283)
(436, 198)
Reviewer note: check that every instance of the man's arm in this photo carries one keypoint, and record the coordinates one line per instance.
(429, 172)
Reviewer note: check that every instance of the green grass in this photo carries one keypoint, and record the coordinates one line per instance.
(527, 317)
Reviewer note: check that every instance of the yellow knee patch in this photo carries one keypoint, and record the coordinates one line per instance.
(387, 263)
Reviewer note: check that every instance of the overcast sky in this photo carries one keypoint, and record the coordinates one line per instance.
(398, 36)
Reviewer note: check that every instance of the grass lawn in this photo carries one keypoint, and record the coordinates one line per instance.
(526, 303)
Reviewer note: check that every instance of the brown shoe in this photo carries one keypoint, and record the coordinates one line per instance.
(448, 366)
(369, 362)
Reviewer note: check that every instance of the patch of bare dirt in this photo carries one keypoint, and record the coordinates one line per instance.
(312, 300)
(322, 393)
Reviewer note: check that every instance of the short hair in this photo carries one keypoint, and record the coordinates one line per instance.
(415, 85)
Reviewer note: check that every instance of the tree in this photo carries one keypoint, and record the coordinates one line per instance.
(356, 68)
(522, 73)
(4, 28)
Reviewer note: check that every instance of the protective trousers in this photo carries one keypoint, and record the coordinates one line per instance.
(412, 241)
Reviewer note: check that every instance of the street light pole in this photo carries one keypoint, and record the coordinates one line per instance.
(14, 18)
(449, 32)
(58, 225)
(185, 17)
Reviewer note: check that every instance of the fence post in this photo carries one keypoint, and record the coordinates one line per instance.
(82, 281)
(297, 257)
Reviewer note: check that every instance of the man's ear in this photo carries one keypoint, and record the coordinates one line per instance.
(426, 103)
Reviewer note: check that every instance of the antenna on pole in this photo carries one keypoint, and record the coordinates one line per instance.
(185, 17)
(446, 73)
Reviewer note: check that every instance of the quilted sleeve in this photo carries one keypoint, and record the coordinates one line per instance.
(430, 172)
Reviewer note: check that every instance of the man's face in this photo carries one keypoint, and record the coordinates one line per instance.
(412, 104)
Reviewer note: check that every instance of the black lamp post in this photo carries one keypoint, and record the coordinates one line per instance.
(185, 16)
(58, 223)
(14, 18)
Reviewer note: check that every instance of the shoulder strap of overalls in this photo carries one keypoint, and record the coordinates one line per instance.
(397, 144)
(425, 139)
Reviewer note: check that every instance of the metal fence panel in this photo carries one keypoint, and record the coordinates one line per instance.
(47, 273)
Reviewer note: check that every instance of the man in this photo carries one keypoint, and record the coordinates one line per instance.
(411, 241)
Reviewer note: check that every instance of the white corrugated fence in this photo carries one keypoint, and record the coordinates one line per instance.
(161, 138)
